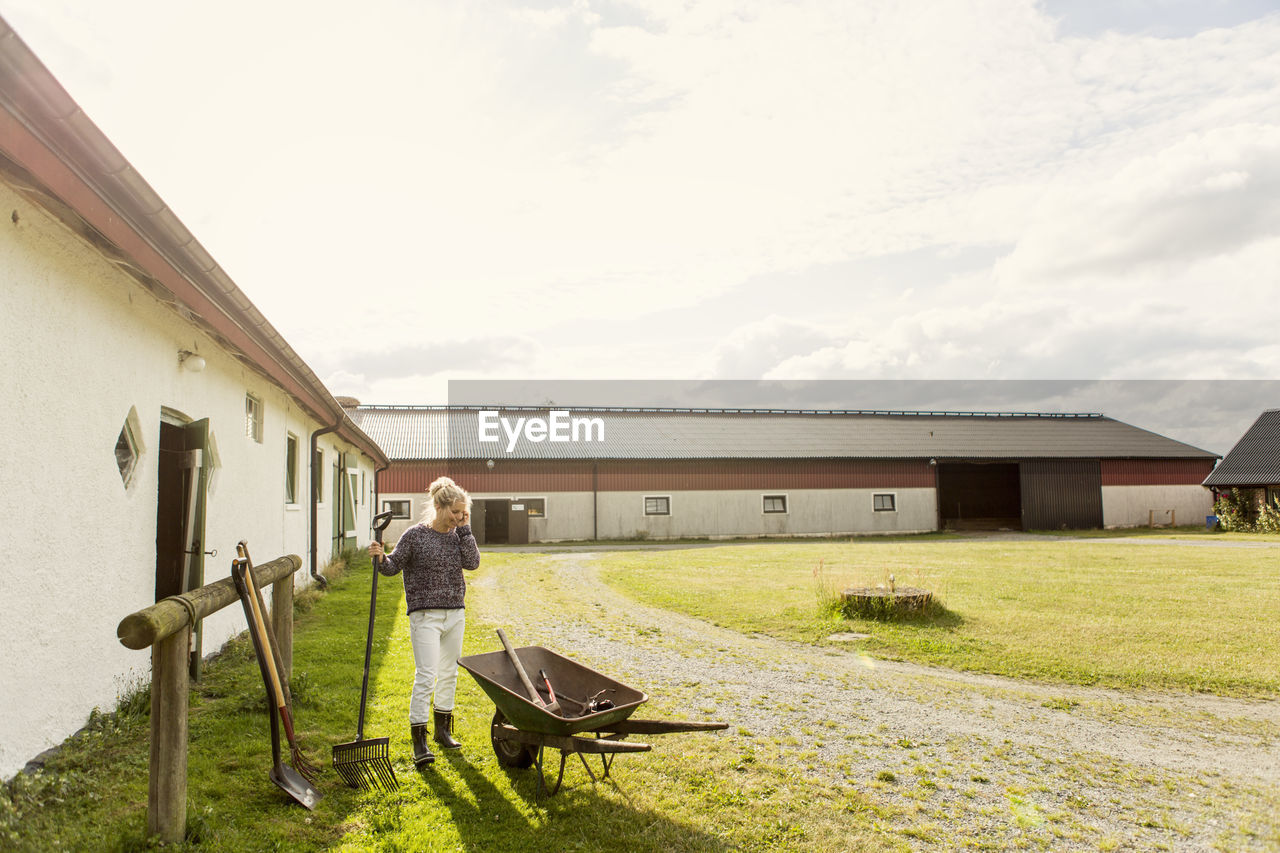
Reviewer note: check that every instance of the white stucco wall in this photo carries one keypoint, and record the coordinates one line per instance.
(1133, 506)
(81, 346)
(811, 512)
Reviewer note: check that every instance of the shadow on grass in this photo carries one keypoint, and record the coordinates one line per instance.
(92, 792)
(486, 819)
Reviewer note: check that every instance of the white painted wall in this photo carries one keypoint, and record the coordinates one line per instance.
(82, 345)
(397, 526)
(812, 512)
(1131, 506)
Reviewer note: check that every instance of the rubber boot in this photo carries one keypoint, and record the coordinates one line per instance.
(421, 752)
(444, 730)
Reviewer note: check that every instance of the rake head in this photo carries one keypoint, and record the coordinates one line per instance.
(304, 766)
(364, 764)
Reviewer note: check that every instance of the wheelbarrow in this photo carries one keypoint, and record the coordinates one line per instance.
(593, 719)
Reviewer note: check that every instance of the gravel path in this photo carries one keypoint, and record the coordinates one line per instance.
(973, 760)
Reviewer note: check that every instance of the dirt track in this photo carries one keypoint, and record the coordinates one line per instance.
(981, 760)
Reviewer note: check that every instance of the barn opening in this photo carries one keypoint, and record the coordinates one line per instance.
(495, 517)
(979, 496)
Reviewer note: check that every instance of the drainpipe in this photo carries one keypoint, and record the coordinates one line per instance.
(315, 436)
(595, 502)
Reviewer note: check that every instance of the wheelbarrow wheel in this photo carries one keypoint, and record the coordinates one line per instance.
(509, 752)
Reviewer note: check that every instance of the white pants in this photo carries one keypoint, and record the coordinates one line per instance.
(437, 645)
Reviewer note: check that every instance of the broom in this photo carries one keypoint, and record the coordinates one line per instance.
(364, 763)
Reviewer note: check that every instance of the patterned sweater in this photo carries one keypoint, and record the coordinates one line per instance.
(432, 563)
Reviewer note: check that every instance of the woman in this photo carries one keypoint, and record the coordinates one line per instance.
(432, 555)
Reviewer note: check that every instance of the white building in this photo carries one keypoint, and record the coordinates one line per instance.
(151, 412)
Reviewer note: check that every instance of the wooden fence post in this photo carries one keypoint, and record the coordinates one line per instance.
(167, 781)
(165, 627)
(282, 622)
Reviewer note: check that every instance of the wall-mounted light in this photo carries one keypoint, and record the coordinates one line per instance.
(190, 361)
(489, 464)
(933, 461)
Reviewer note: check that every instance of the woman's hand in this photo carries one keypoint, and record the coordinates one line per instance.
(375, 550)
(466, 517)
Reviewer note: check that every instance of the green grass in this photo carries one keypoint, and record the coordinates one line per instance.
(1081, 612)
(1146, 615)
(704, 793)
(1190, 531)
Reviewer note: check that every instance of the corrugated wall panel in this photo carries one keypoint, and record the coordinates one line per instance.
(1155, 472)
(1061, 493)
(535, 477)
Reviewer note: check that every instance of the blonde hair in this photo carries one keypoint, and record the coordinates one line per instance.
(444, 492)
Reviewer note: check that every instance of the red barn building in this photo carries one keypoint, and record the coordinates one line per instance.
(583, 473)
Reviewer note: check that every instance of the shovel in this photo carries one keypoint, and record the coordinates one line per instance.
(364, 763)
(274, 669)
(285, 777)
(553, 706)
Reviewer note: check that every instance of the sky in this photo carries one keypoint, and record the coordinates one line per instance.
(419, 192)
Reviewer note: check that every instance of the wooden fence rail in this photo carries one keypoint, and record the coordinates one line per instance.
(165, 627)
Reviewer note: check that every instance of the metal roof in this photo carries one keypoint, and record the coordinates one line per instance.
(442, 432)
(1255, 460)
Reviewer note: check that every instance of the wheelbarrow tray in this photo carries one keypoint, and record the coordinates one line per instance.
(573, 683)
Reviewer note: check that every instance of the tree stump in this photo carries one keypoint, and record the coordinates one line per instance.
(884, 603)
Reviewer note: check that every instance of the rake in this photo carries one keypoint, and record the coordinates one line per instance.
(364, 763)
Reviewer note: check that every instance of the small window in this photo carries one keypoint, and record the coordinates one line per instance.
(291, 469)
(657, 506)
(126, 453)
(399, 509)
(536, 507)
(253, 417)
(775, 503)
(885, 503)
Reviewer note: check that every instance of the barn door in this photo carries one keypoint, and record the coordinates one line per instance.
(336, 512)
(195, 462)
(349, 509)
(518, 524)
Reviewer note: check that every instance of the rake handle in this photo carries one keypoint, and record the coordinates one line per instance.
(276, 690)
(368, 637)
(242, 550)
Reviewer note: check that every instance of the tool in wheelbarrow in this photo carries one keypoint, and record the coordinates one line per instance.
(285, 777)
(523, 729)
(550, 691)
(364, 763)
(553, 706)
(303, 766)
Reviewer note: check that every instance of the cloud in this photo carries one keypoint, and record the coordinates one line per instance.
(515, 170)
(1198, 197)
(448, 357)
(754, 349)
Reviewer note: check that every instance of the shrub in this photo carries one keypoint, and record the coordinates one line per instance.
(1239, 513)
(1268, 519)
(1233, 512)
